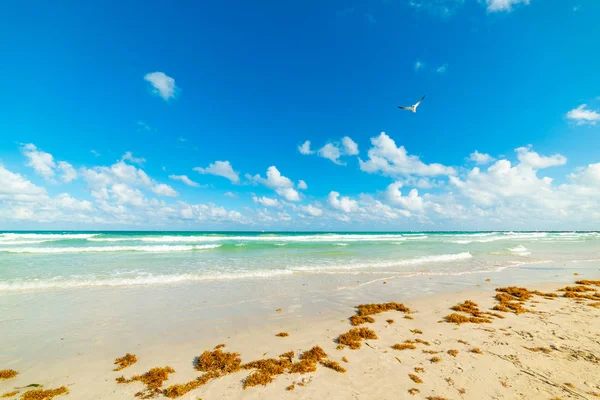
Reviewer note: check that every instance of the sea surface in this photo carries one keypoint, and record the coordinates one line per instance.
(42, 261)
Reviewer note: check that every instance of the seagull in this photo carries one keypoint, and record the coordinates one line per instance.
(414, 107)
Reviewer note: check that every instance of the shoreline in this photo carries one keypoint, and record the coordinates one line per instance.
(85, 361)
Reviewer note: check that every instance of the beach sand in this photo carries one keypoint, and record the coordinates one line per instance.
(562, 334)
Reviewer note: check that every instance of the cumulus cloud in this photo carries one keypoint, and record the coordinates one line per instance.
(334, 150)
(442, 69)
(290, 194)
(164, 190)
(220, 168)
(304, 148)
(534, 160)
(481, 158)
(266, 201)
(68, 172)
(302, 185)
(583, 116)
(163, 85)
(388, 159)
(412, 202)
(128, 156)
(419, 65)
(184, 179)
(503, 5)
(344, 203)
(350, 146)
(42, 162)
(231, 195)
(282, 185)
(311, 210)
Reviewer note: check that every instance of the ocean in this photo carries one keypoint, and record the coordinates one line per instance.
(43, 261)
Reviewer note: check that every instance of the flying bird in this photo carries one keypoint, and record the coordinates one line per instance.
(413, 108)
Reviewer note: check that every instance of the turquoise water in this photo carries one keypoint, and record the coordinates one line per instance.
(37, 261)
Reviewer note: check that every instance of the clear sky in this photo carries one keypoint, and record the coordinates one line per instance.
(196, 115)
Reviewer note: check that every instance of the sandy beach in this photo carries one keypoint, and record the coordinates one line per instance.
(551, 351)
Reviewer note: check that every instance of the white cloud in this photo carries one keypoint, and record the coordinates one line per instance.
(345, 204)
(163, 189)
(163, 85)
(95, 153)
(503, 5)
(582, 116)
(42, 162)
(290, 194)
(144, 126)
(389, 160)
(304, 148)
(184, 179)
(350, 146)
(220, 168)
(442, 69)
(311, 210)
(68, 172)
(535, 161)
(419, 65)
(481, 158)
(231, 195)
(266, 201)
(302, 185)
(128, 156)
(334, 150)
(331, 152)
(412, 202)
(282, 185)
(13, 186)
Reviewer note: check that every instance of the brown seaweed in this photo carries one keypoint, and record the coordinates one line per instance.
(125, 361)
(353, 337)
(41, 394)
(8, 374)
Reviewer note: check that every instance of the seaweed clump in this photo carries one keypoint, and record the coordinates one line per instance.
(290, 388)
(181, 389)
(282, 334)
(435, 360)
(417, 331)
(333, 365)
(10, 394)
(218, 361)
(41, 394)
(587, 282)
(415, 378)
(125, 361)
(458, 319)
(308, 361)
(356, 320)
(453, 353)
(353, 337)
(153, 380)
(8, 374)
(404, 346)
(371, 309)
(476, 350)
(413, 391)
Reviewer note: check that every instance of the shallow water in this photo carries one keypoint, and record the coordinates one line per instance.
(41, 261)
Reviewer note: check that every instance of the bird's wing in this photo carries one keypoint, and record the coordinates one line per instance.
(420, 101)
(405, 108)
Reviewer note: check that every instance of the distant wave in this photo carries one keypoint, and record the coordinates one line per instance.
(387, 264)
(505, 236)
(46, 236)
(135, 281)
(154, 249)
(520, 250)
(270, 238)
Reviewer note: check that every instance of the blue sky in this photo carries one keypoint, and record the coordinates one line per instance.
(106, 107)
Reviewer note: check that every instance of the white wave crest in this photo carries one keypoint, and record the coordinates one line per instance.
(44, 236)
(153, 249)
